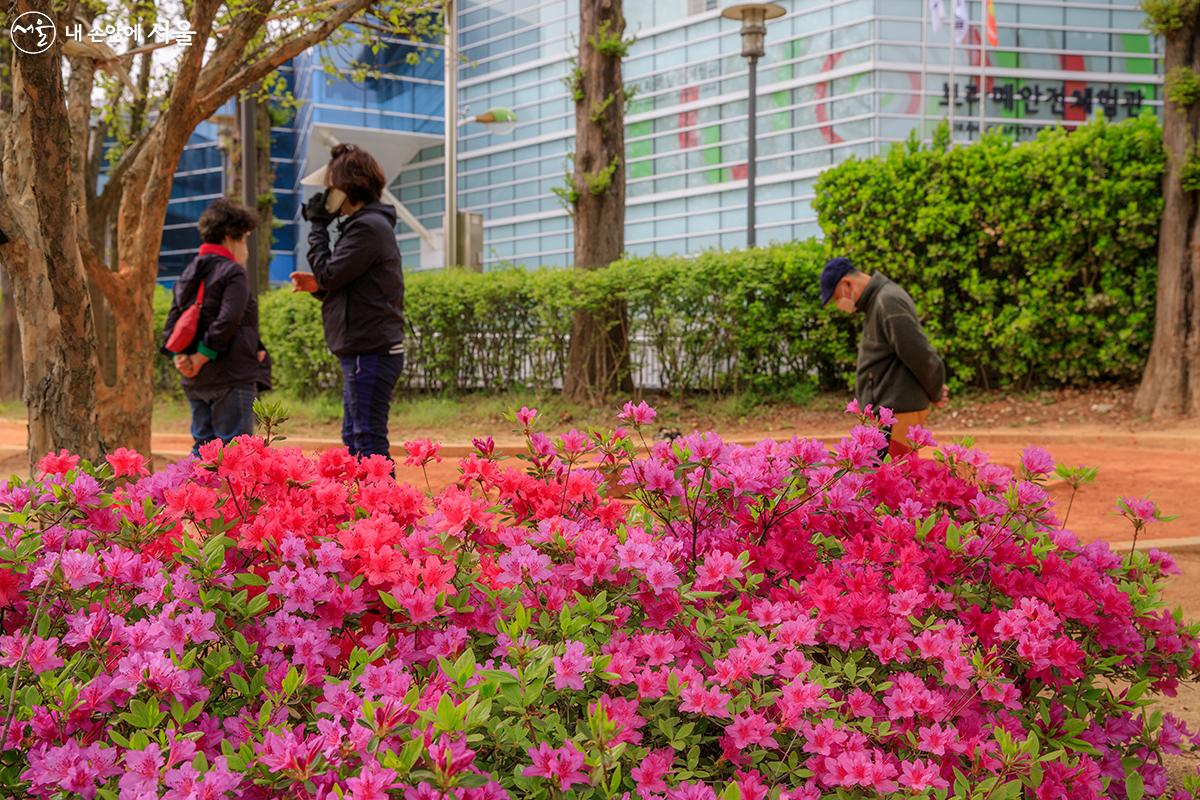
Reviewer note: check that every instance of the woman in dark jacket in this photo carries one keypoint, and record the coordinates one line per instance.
(361, 288)
(224, 365)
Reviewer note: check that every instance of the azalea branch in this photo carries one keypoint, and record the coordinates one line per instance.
(10, 709)
(233, 497)
(778, 517)
(1070, 503)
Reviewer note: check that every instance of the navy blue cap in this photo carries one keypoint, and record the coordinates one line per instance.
(831, 276)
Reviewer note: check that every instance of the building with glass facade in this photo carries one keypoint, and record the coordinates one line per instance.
(840, 78)
(393, 115)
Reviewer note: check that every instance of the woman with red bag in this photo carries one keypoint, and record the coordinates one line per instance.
(218, 351)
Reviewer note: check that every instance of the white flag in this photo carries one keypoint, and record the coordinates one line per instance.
(937, 12)
(962, 21)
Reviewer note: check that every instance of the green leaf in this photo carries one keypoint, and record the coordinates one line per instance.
(1135, 788)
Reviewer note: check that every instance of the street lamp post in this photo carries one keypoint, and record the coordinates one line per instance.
(754, 18)
(450, 227)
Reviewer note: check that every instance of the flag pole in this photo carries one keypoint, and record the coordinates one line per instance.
(953, 26)
(924, 69)
(983, 41)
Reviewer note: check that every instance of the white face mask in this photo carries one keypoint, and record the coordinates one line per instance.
(334, 199)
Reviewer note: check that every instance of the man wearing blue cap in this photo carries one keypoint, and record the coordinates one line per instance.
(897, 367)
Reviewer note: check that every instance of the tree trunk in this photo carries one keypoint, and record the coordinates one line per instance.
(127, 405)
(265, 200)
(1171, 382)
(12, 379)
(58, 340)
(599, 357)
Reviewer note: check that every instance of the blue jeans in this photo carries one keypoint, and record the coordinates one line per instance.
(366, 400)
(221, 414)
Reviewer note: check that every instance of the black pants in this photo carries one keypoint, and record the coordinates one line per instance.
(366, 400)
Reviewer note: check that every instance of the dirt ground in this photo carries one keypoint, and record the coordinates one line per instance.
(1094, 428)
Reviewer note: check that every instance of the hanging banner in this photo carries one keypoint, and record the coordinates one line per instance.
(962, 21)
(937, 14)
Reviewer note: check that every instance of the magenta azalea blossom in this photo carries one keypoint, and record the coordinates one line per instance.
(783, 618)
(562, 766)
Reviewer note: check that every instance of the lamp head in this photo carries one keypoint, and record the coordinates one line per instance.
(753, 17)
(500, 121)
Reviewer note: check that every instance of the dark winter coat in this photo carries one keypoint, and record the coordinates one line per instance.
(228, 330)
(897, 367)
(360, 283)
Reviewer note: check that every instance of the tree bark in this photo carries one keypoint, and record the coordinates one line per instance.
(265, 200)
(49, 287)
(12, 378)
(598, 364)
(1171, 382)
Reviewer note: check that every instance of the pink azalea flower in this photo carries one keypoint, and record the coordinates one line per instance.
(708, 702)
(574, 442)
(141, 772)
(661, 576)
(562, 766)
(640, 414)
(653, 768)
(57, 464)
(41, 655)
(920, 776)
(751, 729)
(570, 667)
(692, 791)
(422, 452)
(127, 463)
(372, 783)
(1141, 512)
(1036, 462)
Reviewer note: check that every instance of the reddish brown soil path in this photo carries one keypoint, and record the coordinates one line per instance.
(1142, 463)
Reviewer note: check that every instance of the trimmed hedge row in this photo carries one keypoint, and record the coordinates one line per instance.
(1032, 264)
(717, 322)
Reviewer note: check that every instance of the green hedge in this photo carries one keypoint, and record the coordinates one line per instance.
(716, 322)
(166, 379)
(1032, 264)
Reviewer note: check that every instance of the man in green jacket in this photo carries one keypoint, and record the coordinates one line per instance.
(897, 367)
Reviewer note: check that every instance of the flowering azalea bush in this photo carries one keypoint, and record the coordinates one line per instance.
(780, 621)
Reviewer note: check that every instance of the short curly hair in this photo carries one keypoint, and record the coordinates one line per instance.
(356, 172)
(225, 219)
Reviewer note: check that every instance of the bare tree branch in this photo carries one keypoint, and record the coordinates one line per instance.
(112, 189)
(254, 73)
(183, 88)
(232, 44)
(79, 107)
(137, 114)
(91, 177)
(112, 284)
